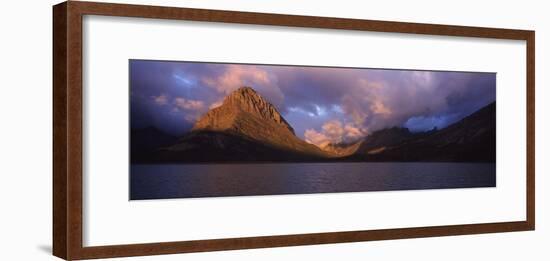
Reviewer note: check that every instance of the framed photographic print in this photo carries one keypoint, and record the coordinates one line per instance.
(186, 130)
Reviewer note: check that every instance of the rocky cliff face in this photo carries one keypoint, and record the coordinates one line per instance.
(245, 101)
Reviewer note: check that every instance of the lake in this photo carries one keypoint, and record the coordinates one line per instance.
(151, 181)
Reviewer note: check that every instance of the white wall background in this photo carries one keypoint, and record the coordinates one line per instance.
(25, 133)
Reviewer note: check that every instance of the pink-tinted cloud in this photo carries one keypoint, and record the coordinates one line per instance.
(191, 109)
(160, 100)
(236, 76)
(317, 138)
(353, 132)
(186, 104)
(333, 131)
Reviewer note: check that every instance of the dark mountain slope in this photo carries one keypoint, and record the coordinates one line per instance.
(144, 142)
(471, 139)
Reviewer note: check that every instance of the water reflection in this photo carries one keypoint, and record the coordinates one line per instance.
(216, 180)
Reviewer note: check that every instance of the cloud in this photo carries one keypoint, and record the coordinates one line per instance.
(333, 131)
(160, 100)
(353, 132)
(317, 138)
(352, 106)
(378, 107)
(186, 104)
(309, 97)
(376, 99)
(191, 109)
(234, 76)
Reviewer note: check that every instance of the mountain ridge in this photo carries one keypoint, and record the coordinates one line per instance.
(247, 128)
(246, 100)
(471, 139)
(244, 127)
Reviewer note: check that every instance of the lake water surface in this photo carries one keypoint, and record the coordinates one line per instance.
(219, 180)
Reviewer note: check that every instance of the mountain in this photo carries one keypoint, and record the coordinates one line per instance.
(245, 127)
(381, 139)
(471, 139)
(341, 149)
(238, 112)
(145, 141)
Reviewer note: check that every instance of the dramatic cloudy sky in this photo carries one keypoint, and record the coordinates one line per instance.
(322, 104)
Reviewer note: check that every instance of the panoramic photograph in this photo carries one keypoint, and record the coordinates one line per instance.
(201, 129)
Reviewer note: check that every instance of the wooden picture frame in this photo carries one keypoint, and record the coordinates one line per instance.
(68, 118)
